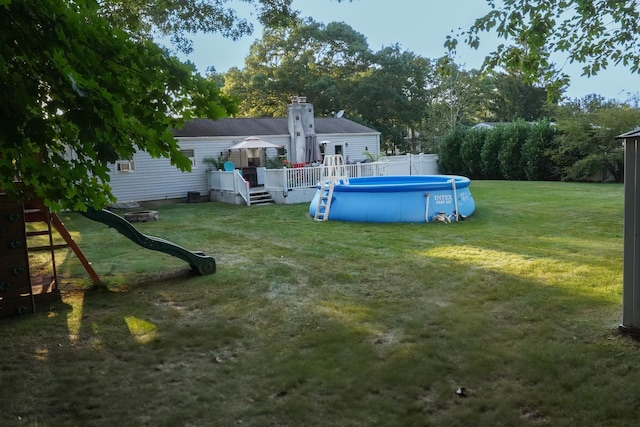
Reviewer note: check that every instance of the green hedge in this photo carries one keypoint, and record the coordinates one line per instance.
(514, 151)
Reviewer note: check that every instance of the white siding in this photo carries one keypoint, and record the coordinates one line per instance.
(157, 179)
(353, 146)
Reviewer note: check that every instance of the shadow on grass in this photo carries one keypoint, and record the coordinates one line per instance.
(181, 350)
(339, 334)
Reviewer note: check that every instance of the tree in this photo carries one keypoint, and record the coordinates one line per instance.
(178, 19)
(77, 94)
(333, 67)
(393, 95)
(509, 98)
(456, 98)
(594, 33)
(588, 148)
(312, 59)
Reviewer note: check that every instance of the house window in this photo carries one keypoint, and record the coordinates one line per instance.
(125, 165)
(282, 153)
(190, 153)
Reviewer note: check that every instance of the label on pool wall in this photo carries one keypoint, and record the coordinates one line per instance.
(443, 199)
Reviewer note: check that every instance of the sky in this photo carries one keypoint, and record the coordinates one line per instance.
(420, 26)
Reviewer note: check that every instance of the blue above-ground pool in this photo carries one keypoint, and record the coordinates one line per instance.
(414, 198)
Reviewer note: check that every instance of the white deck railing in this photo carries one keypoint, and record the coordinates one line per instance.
(309, 176)
(306, 177)
(231, 182)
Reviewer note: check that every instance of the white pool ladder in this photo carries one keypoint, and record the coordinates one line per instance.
(333, 172)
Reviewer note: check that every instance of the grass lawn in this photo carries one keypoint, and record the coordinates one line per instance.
(339, 324)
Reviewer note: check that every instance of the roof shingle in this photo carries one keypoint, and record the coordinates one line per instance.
(264, 126)
(631, 134)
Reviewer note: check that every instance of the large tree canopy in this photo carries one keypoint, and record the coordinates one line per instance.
(332, 65)
(312, 59)
(393, 95)
(509, 98)
(596, 33)
(76, 94)
(179, 19)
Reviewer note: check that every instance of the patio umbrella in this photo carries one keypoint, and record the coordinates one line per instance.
(252, 142)
(312, 149)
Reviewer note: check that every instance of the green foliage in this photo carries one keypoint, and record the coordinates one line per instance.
(180, 19)
(216, 163)
(471, 152)
(515, 151)
(372, 157)
(510, 154)
(584, 169)
(312, 59)
(581, 146)
(277, 163)
(449, 155)
(334, 68)
(594, 33)
(392, 95)
(78, 94)
(490, 152)
(509, 98)
(587, 143)
(538, 150)
(456, 99)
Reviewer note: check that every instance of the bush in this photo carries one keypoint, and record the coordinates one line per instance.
(510, 155)
(584, 169)
(537, 152)
(470, 152)
(490, 151)
(449, 157)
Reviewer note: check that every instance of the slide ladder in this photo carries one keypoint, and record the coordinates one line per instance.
(62, 230)
(333, 172)
(198, 261)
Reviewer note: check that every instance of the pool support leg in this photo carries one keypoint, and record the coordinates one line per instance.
(426, 212)
(455, 198)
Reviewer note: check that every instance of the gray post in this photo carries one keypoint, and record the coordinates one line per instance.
(631, 266)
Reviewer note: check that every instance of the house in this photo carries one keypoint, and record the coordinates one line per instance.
(492, 125)
(488, 125)
(143, 178)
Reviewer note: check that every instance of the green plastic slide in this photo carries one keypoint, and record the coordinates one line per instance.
(198, 261)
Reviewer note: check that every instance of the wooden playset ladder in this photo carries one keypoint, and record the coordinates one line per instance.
(37, 211)
(333, 171)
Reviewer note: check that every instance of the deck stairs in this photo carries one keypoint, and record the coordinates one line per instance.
(260, 197)
(333, 172)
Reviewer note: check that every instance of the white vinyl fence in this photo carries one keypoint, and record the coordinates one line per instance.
(292, 179)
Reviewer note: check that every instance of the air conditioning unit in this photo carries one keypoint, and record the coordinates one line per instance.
(124, 167)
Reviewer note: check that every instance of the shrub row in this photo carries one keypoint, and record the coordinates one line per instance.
(516, 151)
